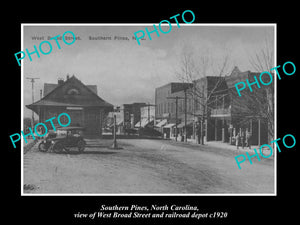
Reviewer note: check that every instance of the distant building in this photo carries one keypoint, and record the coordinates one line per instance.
(127, 117)
(131, 114)
(80, 101)
(109, 122)
(165, 107)
(165, 110)
(147, 116)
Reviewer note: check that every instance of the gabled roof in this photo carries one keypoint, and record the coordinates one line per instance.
(48, 87)
(58, 96)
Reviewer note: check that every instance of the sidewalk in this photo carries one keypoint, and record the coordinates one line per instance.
(220, 144)
(30, 143)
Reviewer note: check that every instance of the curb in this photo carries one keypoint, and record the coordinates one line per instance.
(230, 148)
(29, 146)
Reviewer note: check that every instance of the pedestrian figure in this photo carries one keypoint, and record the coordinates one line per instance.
(248, 139)
(181, 136)
(40, 132)
(237, 140)
(242, 138)
(230, 131)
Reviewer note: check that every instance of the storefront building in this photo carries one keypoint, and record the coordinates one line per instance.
(233, 114)
(211, 108)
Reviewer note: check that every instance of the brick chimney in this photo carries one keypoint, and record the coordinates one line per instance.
(60, 81)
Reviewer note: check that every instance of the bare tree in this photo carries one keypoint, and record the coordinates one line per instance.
(193, 68)
(263, 60)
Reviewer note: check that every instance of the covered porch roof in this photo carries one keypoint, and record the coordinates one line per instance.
(49, 103)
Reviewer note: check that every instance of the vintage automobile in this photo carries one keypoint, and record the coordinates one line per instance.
(63, 139)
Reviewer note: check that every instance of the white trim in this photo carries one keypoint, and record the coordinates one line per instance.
(151, 24)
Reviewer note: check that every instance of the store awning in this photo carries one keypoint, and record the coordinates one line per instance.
(181, 125)
(144, 122)
(119, 122)
(170, 125)
(161, 123)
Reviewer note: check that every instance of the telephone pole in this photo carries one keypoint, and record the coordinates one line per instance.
(32, 88)
(148, 116)
(176, 113)
(115, 144)
(185, 113)
(148, 105)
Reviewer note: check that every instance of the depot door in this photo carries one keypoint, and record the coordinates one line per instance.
(92, 122)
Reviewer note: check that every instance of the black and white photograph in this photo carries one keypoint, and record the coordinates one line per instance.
(106, 111)
(144, 114)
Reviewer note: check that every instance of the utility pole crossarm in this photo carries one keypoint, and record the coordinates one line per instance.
(176, 113)
(32, 78)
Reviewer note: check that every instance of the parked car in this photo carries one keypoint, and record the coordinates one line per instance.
(63, 138)
(46, 143)
(130, 131)
(149, 132)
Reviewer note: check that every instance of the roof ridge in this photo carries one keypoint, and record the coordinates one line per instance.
(100, 100)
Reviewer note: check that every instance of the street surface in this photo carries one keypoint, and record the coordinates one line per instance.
(146, 166)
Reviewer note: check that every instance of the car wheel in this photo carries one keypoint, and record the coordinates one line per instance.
(67, 150)
(81, 146)
(58, 147)
(43, 147)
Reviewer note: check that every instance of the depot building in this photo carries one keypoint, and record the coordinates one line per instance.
(81, 102)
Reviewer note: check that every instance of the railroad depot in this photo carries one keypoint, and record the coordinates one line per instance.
(81, 102)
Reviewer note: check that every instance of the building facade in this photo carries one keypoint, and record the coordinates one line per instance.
(81, 102)
(127, 117)
(245, 113)
(131, 114)
(147, 116)
(211, 108)
(167, 107)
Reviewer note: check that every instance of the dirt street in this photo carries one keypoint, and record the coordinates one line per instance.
(145, 166)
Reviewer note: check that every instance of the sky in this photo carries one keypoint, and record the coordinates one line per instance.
(124, 71)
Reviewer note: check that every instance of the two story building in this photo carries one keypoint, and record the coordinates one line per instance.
(233, 113)
(211, 107)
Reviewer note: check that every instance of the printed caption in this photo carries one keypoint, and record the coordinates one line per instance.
(150, 212)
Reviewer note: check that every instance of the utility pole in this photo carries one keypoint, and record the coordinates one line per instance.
(148, 105)
(185, 112)
(185, 115)
(41, 96)
(32, 88)
(176, 116)
(176, 113)
(148, 116)
(194, 110)
(115, 144)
